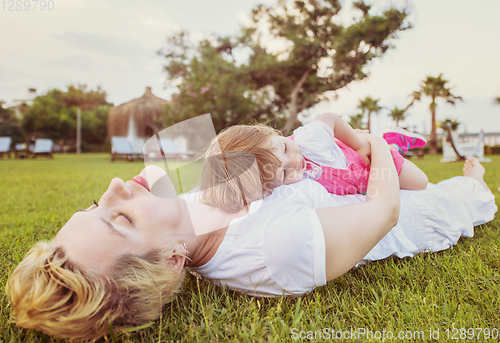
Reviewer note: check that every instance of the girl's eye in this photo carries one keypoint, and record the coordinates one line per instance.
(284, 175)
(286, 148)
(125, 216)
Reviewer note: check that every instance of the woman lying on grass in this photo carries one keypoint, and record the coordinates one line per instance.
(119, 261)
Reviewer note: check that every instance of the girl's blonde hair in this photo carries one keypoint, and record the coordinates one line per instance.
(238, 169)
(51, 294)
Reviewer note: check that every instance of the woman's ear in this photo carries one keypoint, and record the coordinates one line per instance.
(178, 259)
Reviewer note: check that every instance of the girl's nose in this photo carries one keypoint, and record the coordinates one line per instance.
(297, 160)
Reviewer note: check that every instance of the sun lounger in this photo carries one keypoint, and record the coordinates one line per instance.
(21, 150)
(171, 150)
(120, 147)
(43, 147)
(5, 146)
(453, 150)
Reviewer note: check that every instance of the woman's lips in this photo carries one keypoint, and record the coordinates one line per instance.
(142, 181)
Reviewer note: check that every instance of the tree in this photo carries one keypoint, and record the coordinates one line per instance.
(322, 55)
(369, 106)
(453, 124)
(94, 128)
(85, 99)
(315, 39)
(10, 125)
(210, 81)
(398, 115)
(434, 87)
(53, 115)
(356, 121)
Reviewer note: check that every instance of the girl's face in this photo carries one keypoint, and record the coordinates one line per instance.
(293, 163)
(127, 220)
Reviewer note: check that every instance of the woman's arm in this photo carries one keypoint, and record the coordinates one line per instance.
(352, 231)
(345, 133)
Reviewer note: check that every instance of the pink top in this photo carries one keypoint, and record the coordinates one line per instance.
(341, 181)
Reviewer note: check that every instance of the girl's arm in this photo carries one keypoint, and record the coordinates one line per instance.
(345, 133)
(352, 231)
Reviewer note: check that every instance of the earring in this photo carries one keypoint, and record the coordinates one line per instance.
(187, 252)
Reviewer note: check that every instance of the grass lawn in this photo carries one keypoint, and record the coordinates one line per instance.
(453, 291)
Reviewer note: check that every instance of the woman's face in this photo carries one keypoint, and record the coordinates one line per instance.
(127, 220)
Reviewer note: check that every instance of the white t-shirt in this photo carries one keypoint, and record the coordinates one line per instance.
(316, 143)
(278, 248)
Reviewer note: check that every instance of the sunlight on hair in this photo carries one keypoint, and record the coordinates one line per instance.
(49, 293)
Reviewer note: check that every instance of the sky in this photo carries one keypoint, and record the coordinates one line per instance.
(113, 44)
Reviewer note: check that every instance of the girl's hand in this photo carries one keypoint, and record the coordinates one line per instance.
(365, 151)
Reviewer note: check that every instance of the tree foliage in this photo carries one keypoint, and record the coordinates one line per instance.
(434, 88)
(321, 55)
(85, 99)
(209, 81)
(10, 125)
(356, 121)
(369, 106)
(398, 115)
(53, 115)
(452, 123)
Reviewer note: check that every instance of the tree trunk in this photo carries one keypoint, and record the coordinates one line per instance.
(292, 108)
(433, 141)
(292, 116)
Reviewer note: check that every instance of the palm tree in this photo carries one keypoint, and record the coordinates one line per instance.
(453, 123)
(369, 106)
(434, 87)
(398, 115)
(356, 121)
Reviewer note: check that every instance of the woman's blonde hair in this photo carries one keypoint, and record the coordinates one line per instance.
(51, 294)
(238, 169)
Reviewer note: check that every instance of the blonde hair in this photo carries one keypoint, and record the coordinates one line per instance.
(237, 169)
(51, 294)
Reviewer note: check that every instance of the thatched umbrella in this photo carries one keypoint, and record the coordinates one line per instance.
(145, 113)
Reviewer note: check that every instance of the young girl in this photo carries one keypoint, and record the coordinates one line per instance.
(329, 151)
(326, 150)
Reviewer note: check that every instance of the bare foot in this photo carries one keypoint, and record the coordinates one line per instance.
(474, 169)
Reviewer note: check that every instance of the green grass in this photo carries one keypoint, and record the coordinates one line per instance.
(457, 289)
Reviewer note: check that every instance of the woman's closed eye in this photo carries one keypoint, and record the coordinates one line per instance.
(118, 214)
(121, 214)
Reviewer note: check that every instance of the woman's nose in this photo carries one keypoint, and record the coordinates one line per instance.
(117, 188)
